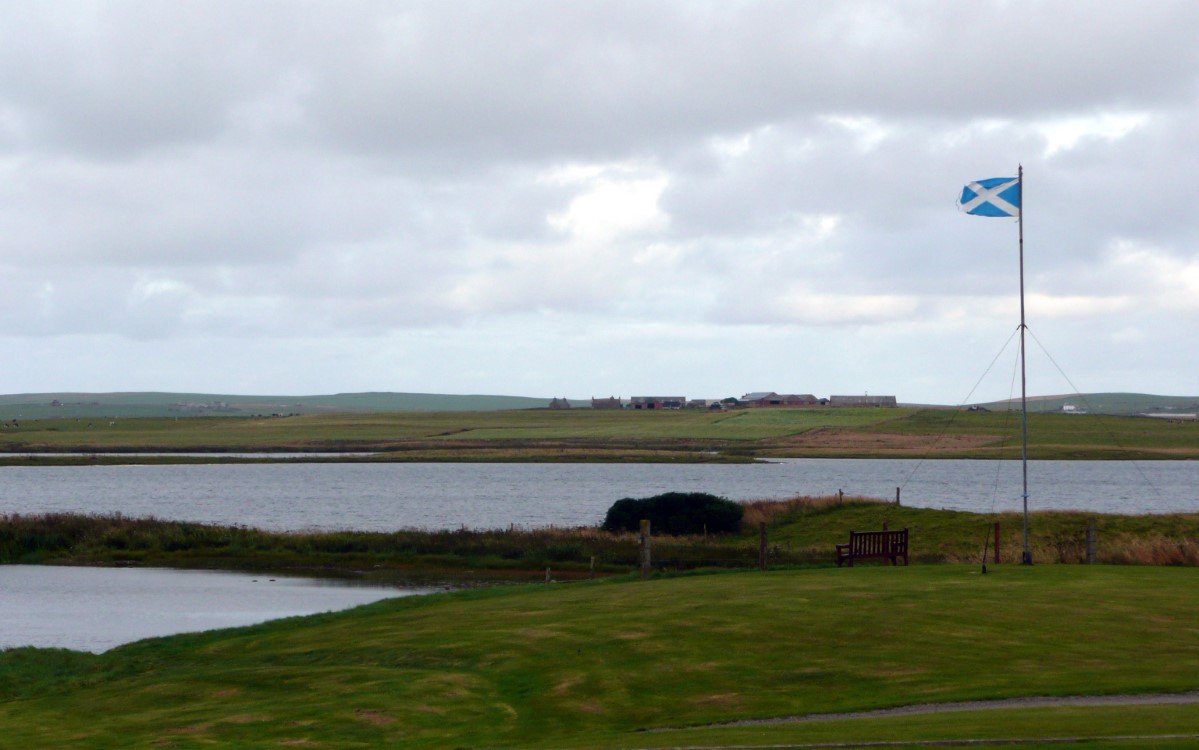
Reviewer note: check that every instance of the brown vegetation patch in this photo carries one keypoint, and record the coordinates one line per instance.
(567, 684)
(538, 634)
(451, 686)
(769, 511)
(247, 719)
(370, 716)
(720, 699)
(427, 709)
(1150, 550)
(592, 707)
(828, 438)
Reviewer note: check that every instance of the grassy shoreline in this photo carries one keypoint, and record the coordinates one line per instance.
(801, 533)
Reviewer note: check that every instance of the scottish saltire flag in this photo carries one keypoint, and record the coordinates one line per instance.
(995, 196)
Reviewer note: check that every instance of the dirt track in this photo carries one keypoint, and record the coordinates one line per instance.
(1155, 699)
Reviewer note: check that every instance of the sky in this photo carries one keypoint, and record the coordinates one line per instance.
(690, 198)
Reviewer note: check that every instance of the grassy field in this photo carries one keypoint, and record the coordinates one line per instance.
(594, 665)
(582, 435)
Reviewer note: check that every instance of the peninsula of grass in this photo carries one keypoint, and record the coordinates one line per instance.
(801, 532)
(579, 435)
(668, 662)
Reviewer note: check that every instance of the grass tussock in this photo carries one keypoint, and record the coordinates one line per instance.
(1152, 550)
(801, 531)
(570, 552)
(775, 512)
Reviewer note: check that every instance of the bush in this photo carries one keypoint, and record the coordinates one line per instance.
(676, 513)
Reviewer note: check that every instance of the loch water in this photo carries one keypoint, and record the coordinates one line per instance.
(387, 496)
(96, 609)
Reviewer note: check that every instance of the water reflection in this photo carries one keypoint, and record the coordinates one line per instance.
(384, 497)
(95, 609)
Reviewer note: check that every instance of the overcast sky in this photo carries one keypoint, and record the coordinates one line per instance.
(596, 198)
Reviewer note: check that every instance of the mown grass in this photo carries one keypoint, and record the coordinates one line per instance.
(593, 665)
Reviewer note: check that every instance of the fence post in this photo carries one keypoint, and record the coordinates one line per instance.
(547, 574)
(645, 557)
(593, 566)
(897, 496)
(1092, 538)
(762, 545)
(996, 542)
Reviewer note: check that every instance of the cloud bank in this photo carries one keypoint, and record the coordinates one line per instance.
(593, 198)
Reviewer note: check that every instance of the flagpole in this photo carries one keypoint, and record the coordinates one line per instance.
(1027, 559)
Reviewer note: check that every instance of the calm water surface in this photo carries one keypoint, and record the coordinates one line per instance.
(95, 609)
(453, 495)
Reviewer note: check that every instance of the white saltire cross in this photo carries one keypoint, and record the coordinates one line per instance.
(991, 195)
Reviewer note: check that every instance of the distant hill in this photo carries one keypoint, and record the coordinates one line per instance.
(1126, 404)
(154, 404)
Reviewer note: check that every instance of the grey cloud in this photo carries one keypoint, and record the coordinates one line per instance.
(375, 177)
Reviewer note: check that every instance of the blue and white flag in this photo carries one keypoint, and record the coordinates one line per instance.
(995, 196)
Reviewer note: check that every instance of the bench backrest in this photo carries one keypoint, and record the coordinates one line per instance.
(866, 543)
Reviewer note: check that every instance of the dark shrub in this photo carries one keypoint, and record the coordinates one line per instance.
(676, 513)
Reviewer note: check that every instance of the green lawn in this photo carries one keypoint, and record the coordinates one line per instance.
(592, 665)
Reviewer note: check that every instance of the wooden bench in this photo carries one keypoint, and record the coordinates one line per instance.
(865, 545)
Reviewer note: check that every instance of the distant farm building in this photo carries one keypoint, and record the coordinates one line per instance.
(559, 403)
(612, 402)
(888, 401)
(657, 402)
(763, 398)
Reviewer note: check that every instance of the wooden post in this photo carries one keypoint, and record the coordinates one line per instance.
(1092, 538)
(645, 556)
(897, 496)
(547, 574)
(996, 542)
(593, 567)
(762, 545)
